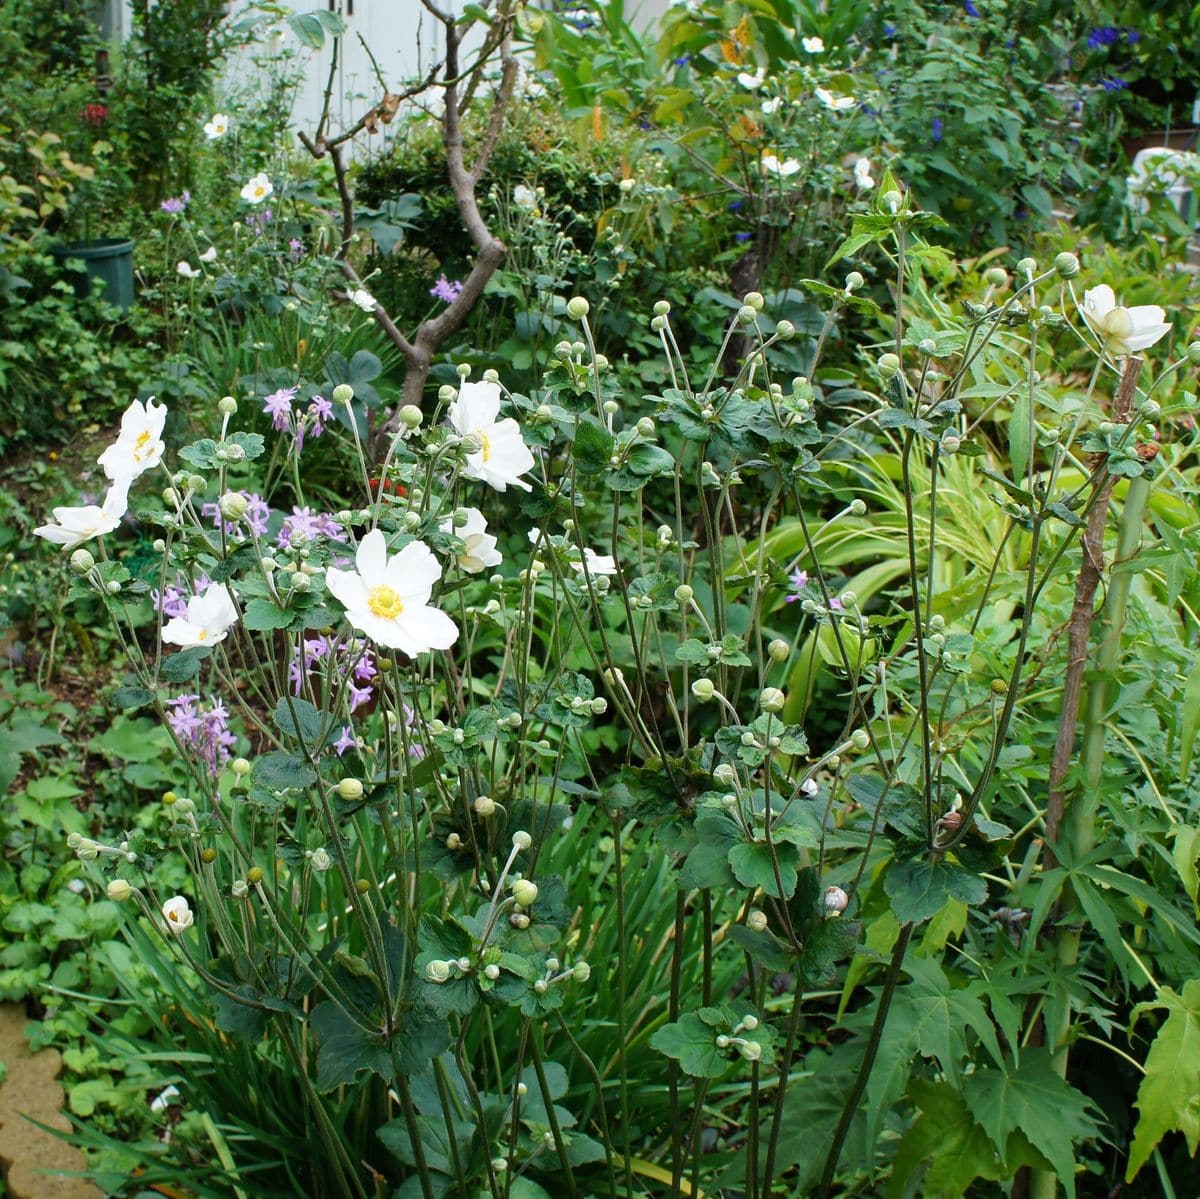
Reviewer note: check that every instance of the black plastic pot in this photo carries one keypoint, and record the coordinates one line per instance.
(109, 259)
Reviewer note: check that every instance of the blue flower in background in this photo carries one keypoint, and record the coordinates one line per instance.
(683, 60)
(937, 128)
(742, 236)
(735, 205)
(1115, 84)
(1106, 35)
(889, 30)
(970, 9)
(1132, 35)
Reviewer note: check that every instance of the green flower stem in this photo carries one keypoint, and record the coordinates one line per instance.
(536, 1054)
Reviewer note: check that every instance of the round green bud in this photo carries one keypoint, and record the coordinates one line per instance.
(411, 416)
(581, 972)
(996, 276)
(754, 299)
(661, 308)
(464, 370)
(599, 705)
(892, 200)
(1067, 265)
(854, 281)
(119, 890)
(999, 687)
(113, 587)
(747, 315)
(927, 346)
(951, 444)
(1027, 266)
(350, 789)
(684, 593)
(785, 330)
(703, 690)
(491, 376)
(362, 885)
(1193, 353)
(227, 405)
(611, 407)
(578, 308)
(208, 854)
(197, 484)
(170, 497)
(749, 1023)
(484, 806)
(343, 393)
(600, 362)
(169, 797)
(521, 839)
(254, 875)
(779, 650)
(82, 561)
(772, 699)
(860, 739)
(525, 893)
(751, 1051)
(233, 505)
(239, 766)
(888, 365)
(384, 663)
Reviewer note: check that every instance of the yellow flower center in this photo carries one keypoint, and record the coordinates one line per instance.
(140, 445)
(385, 602)
(201, 634)
(260, 190)
(486, 448)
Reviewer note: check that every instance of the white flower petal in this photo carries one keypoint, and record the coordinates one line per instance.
(372, 558)
(347, 587)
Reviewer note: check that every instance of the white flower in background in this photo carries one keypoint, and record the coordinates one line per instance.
(525, 197)
(167, 1095)
(813, 45)
(388, 597)
(139, 446)
(74, 526)
(753, 82)
(772, 106)
(863, 179)
(1123, 330)
(363, 299)
(597, 564)
(177, 914)
(217, 127)
(188, 271)
(258, 189)
(209, 618)
(837, 103)
(480, 547)
(209, 255)
(772, 166)
(502, 456)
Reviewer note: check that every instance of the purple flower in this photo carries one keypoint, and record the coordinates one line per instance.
(799, 580)
(311, 525)
(320, 413)
(835, 604)
(683, 60)
(295, 249)
(278, 406)
(176, 204)
(937, 128)
(736, 205)
(1132, 36)
(206, 730)
(970, 9)
(346, 741)
(258, 221)
(889, 30)
(359, 695)
(1106, 35)
(1115, 84)
(742, 236)
(172, 601)
(446, 290)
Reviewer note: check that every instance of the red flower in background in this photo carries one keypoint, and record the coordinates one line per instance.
(95, 114)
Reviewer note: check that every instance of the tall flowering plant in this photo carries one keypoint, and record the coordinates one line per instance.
(382, 747)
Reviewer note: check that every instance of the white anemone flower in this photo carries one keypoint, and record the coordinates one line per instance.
(525, 197)
(813, 45)
(209, 618)
(772, 166)
(772, 106)
(209, 255)
(479, 550)
(258, 189)
(363, 299)
(837, 103)
(74, 526)
(387, 597)
(177, 914)
(502, 457)
(1123, 330)
(217, 127)
(863, 179)
(753, 82)
(597, 564)
(188, 271)
(139, 446)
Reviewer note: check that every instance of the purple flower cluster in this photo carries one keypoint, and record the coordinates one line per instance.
(1115, 84)
(446, 290)
(311, 525)
(205, 729)
(351, 660)
(278, 406)
(295, 249)
(174, 205)
(258, 221)
(172, 600)
(258, 514)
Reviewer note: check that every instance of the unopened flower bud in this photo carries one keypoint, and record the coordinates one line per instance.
(227, 405)
(254, 875)
(208, 855)
(892, 200)
(233, 505)
(437, 971)
(238, 888)
(239, 766)
(320, 860)
(1067, 265)
(581, 972)
(756, 920)
(888, 365)
(577, 308)
(661, 308)
(484, 805)
(119, 890)
(343, 393)
(82, 561)
(646, 426)
(860, 739)
(703, 690)
(684, 593)
(749, 1023)
(951, 444)
(599, 705)
(1027, 267)
(350, 789)
(835, 900)
(453, 842)
(996, 276)
(491, 971)
(1193, 353)
(525, 893)
(750, 1050)
(747, 315)
(754, 299)
(927, 346)
(772, 699)
(521, 839)
(411, 416)
(854, 281)
(785, 330)
(778, 650)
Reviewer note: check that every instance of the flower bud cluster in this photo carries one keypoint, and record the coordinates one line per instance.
(87, 850)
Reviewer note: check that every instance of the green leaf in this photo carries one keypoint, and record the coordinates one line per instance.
(1032, 1099)
(1189, 724)
(184, 665)
(200, 454)
(753, 866)
(919, 889)
(692, 1040)
(1184, 853)
(593, 446)
(1018, 436)
(278, 771)
(344, 1049)
(303, 722)
(262, 615)
(131, 697)
(1168, 1097)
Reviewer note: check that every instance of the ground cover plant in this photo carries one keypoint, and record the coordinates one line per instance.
(726, 728)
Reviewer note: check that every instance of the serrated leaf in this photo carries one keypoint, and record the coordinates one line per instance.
(344, 1050)
(1168, 1096)
(755, 865)
(1032, 1099)
(263, 616)
(184, 665)
(919, 889)
(279, 771)
(131, 697)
